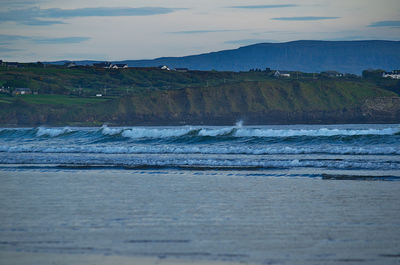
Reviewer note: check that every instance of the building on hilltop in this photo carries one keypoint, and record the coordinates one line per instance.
(281, 74)
(70, 64)
(119, 66)
(22, 91)
(395, 74)
(164, 67)
(331, 74)
(109, 65)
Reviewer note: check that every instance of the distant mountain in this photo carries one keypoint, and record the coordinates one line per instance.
(303, 55)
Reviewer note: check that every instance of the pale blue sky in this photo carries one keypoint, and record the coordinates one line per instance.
(41, 30)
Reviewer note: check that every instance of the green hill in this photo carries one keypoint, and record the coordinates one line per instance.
(150, 96)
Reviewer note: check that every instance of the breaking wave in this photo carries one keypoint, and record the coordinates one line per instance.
(313, 132)
(136, 133)
(193, 131)
(203, 149)
(52, 132)
(365, 147)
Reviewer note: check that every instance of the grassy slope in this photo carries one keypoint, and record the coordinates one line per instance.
(257, 97)
(91, 80)
(199, 97)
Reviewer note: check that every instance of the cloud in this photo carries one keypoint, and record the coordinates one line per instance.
(386, 23)
(27, 16)
(203, 31)
(8, 39)
(106, 12)
(17, 3)
(263, 6)
(66, 40)
(39, 17)
(36, 22)
(4, 49)
(310, 18)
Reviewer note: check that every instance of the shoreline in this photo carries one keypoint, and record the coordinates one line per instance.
(99, 125)
(31, 258)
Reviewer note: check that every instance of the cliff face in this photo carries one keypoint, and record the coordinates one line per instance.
(277, 102)
(381, 108)
(262, 103)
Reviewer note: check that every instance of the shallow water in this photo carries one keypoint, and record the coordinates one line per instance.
(265, 194)
(316, 149)
(250, 216)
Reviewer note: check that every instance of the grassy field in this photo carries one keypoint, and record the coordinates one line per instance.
(61, 99)
(53, 99)
(89, 81)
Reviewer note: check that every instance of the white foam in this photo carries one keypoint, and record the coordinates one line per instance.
(203, 149)
(239, 124)
(110, 131)
(250, 132)
(215, 132)
(199, 161)
(136, 133)
(52, 132)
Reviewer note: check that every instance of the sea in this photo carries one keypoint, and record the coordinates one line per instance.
(279, 194)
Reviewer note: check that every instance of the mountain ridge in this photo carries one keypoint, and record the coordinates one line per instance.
(302, 55)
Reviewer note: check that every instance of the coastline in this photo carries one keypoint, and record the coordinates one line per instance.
(178, 124)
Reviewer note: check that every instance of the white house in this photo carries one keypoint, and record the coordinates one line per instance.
(281, 74)
(395, 74)
(22, 91)
(164, 67)
(119, 66)
(70, 65)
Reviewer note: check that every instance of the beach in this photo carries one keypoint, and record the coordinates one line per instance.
(18, 258)
(70, 216)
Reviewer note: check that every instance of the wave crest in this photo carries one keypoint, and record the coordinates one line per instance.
(322, 132)
(52, 132)
(105, 130)
(136, 133)
(195, 133)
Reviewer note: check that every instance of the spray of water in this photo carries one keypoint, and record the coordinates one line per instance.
(239, 124)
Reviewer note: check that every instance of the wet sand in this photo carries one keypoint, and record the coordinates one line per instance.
(195, 217)
(23, 258)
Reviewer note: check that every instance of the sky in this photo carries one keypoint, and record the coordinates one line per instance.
(49, 30)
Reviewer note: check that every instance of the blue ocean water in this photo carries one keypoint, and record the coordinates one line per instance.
(308, 149)
(297, 194)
